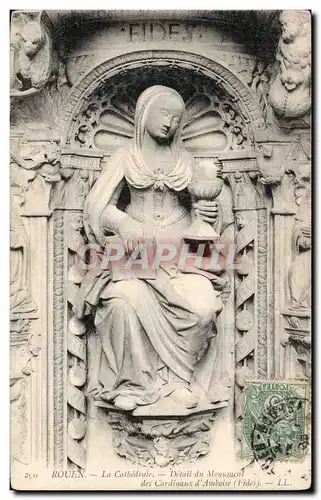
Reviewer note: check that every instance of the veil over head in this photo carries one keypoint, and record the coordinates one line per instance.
(128, 163)
(144, 103)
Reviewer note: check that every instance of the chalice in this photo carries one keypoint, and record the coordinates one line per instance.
(206, 185)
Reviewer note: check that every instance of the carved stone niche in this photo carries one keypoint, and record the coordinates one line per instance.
(284, 164)
(97, 119)
(214, 121)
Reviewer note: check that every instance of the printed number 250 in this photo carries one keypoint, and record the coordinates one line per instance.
(29, 475)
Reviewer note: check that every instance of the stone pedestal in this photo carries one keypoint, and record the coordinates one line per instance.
(152, 440)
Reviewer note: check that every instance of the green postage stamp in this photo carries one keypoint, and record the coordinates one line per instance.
(276, 420)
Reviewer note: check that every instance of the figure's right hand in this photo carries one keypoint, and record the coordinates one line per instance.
(306, 232)
(304, 240)
(131, 234)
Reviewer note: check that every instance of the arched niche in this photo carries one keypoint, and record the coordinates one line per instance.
(167, 61)
(97, 117)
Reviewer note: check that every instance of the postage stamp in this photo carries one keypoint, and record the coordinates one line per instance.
(276, 420)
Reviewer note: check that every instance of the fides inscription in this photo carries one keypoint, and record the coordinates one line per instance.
(175, 31)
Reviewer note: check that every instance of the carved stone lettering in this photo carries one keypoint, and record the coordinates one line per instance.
(166, 31)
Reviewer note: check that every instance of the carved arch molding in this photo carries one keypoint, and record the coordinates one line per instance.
(223, 116)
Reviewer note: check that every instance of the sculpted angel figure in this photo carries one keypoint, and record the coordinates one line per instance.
(157, 335)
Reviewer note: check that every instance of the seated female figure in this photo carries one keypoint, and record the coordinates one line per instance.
(156, 334)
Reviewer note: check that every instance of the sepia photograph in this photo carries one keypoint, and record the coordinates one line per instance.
(160, 250)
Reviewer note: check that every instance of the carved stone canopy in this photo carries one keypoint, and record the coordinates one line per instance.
(164, 64)
(214, 120)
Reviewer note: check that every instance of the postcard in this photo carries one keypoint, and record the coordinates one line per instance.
(160, 250)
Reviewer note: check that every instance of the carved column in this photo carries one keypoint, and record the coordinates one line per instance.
(284, 168)
(34, 170)
(79, 170)
(59, 344)
(252, 342)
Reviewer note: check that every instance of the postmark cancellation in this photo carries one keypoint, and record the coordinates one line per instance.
(276, 421)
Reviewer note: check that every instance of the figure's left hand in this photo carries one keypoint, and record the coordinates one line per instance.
(218, 283)
(207, 210)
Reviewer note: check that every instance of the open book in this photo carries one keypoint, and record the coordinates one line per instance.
(139, 264)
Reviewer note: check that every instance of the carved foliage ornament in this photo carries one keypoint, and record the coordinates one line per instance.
(260, 84)
(159, 444)
(79, 171)
(285, 169)
(33, 171)
(303, 350)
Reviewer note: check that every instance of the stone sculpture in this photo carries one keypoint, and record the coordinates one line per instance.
(20, 300)
(31, 59)
(290, 89)
(300, 270)
(120, 382)
(157, 335)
